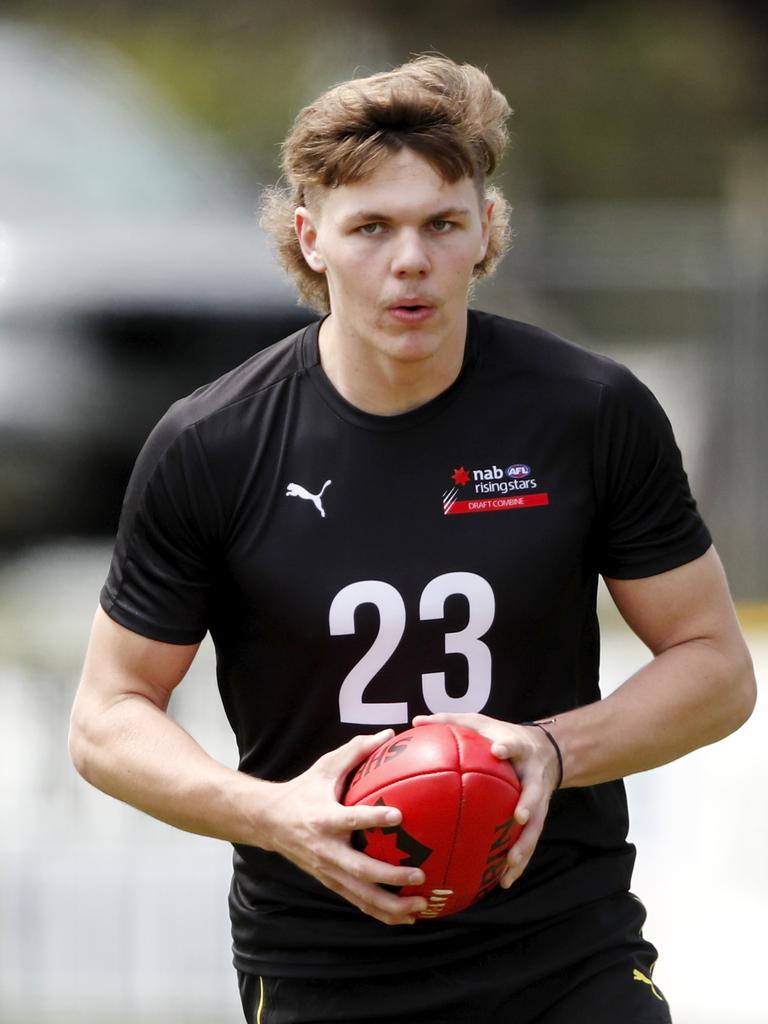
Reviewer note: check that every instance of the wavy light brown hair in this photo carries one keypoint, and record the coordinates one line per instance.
(450, 114)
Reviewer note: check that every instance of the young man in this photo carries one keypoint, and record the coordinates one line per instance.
(401, 512)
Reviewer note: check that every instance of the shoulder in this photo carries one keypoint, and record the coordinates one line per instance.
(530, 350)
(263, 371)
(558, 371)
(229, 403)
(216, 425)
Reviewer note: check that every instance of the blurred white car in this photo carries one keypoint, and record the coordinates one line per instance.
(132, 270)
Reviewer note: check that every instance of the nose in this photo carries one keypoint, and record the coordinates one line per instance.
(410, 258)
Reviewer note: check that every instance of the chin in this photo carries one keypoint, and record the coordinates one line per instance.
(414, 349)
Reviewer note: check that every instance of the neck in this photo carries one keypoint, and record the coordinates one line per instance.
(387, 384)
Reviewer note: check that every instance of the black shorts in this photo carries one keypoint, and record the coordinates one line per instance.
(591, 966)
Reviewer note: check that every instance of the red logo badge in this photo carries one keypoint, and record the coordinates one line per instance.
(493, 489)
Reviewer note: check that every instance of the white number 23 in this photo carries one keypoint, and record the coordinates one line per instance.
(391, 609)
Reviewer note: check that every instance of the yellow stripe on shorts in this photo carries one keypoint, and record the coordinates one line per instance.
(260, 1010)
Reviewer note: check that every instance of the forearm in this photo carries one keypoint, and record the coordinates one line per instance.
(123, 742)
(688, 696)
(134, 751)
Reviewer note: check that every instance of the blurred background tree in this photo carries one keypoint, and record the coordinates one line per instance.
(613, 99)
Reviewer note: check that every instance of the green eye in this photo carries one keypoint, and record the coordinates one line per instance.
(441, 226)
(370, 229)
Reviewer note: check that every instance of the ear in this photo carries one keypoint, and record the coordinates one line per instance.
(306, 232)
(486, 217)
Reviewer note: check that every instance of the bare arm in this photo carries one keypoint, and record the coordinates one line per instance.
(123, 742)
(698, 687)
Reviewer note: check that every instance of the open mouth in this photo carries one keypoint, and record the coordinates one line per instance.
(411, 312)
(413, 304)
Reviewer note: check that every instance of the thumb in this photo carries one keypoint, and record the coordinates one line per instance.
(349, 755)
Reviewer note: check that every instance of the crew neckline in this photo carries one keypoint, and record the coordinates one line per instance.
(310, 359)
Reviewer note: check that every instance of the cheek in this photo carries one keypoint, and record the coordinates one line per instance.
(353, 288)
(356, 274)
(462, 263)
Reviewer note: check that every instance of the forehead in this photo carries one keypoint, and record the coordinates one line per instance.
(402, 184)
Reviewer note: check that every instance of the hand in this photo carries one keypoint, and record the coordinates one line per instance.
(535, 762)
(306, 824)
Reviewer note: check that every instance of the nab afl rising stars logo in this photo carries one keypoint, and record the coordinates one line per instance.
(493, 489)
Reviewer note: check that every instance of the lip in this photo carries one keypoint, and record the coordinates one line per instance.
(411, 311)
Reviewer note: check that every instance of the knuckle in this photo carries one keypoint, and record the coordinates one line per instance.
(316, 854)
(389, 918)
(333, 885)
(356, 870)
(353, 821)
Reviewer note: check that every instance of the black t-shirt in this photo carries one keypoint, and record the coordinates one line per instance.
(356, 570)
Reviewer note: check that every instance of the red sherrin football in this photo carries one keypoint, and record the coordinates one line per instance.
(458, 802)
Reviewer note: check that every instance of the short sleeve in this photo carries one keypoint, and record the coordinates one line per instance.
(161, 576)
(648, 520)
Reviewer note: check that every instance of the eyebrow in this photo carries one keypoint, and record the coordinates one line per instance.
(375, 216)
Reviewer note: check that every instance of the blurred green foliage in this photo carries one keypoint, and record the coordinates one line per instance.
(612, 100)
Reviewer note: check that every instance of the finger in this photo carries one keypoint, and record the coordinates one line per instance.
(341, 760)
(471, 720)
(511, 748)
(533, 795)
(506, 744)
(531, 813)
(380, 904)
(336, 863)
(360, 817)
(487, 727)
(394, 910)
(341, 859)
(521, 852)
(360, 879)
(379, 872)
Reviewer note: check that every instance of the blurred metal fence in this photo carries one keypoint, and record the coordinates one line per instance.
(106, 915)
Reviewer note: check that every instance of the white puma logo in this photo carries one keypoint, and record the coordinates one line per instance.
(297, 491)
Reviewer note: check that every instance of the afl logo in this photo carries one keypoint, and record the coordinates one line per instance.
(518, 471)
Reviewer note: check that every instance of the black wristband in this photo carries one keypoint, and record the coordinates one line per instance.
(554, 743)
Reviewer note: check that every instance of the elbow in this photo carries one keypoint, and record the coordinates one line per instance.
(80, 745)
(77, 748)
(743, 689)
(749, 691)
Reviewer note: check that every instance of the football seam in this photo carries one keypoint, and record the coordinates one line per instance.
(460, 816)
(441, 771)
